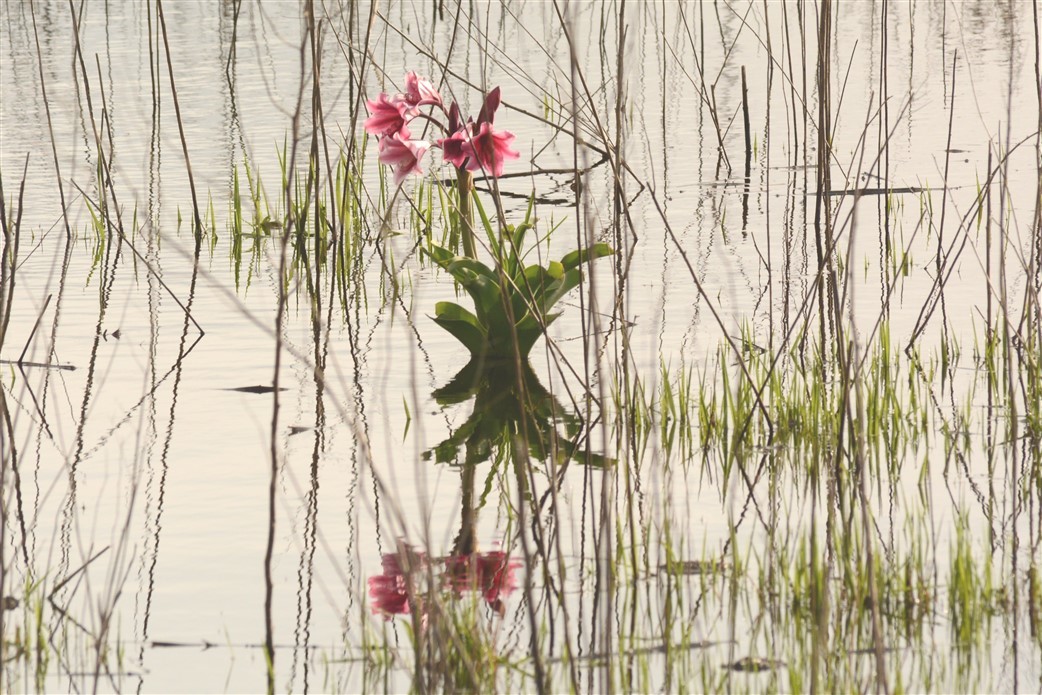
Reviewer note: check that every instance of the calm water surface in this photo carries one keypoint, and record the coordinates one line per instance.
(147, 453)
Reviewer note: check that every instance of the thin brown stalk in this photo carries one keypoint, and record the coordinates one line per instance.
(9, 258)
(180, 124)
(50, 125)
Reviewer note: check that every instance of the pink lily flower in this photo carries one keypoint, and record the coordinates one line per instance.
(488, 109)
(487, 149)
(420, 91)
(452, 148)
(389, 115)
(398, 151)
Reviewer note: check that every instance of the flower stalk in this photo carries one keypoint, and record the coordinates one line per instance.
(464, 190)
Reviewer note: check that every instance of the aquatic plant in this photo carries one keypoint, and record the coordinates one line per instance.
(511, 300)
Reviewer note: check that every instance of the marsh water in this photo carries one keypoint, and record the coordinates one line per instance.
(148, 462)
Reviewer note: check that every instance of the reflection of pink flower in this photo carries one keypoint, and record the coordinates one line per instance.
(389, 593)
(490, 573)
(389, 115)
(390, 590)
(487, 149)
(419, 91)
(403, 154)
(396, 591)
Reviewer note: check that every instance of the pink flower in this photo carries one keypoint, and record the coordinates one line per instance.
(488, 109)
(398, 151)
(420, 91)
(487, 149)
(388, 115)
(452, 147)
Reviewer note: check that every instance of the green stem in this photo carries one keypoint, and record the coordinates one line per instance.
(464, 189)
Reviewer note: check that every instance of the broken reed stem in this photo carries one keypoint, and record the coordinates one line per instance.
(32, 333)
(745, 119)
(988, 285)
(748, 153)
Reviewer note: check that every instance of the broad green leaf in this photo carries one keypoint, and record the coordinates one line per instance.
(462, 263)
(462, 268)
(498, 321)
(518, 237)
(530, 331)
(566, 284)
(536, 281)
(462, 324)
(440, 255)
(531, 322)
(485, 293)
(528, 295)
(577, 258)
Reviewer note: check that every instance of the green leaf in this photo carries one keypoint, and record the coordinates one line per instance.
(461, 267)
(475, 277)
(529, 292)
(529, 331)
(487, 224)
(462, 324)
(577, 258)
(439, 255)
(485, 293)
(536, 281)
(566, 284)
(517, 238)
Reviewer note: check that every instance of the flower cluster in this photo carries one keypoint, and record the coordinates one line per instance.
(470, 145)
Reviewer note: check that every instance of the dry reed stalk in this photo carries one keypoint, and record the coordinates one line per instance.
(197, 218)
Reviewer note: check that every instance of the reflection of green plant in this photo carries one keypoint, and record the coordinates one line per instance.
(506, 407)
(511, 303)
